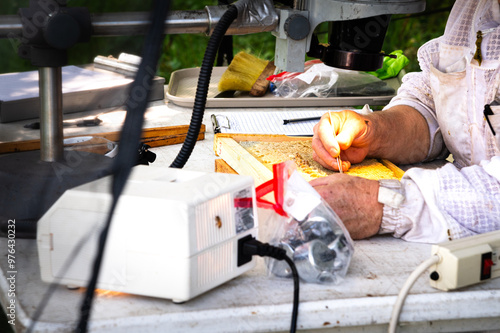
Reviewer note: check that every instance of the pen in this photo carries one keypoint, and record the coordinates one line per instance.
(364, 110)
(296, 120)
(80, 123)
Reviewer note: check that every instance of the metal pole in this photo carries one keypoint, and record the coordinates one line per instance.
(126, 24)
(136, 23)
(10, 26)
(51, 120)
(300, 4)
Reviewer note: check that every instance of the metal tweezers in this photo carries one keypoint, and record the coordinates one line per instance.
(339, 161)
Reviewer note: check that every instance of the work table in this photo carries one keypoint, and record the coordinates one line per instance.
(254, 301)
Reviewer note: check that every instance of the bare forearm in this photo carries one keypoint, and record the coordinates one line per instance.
(399, 134)
(355, 200)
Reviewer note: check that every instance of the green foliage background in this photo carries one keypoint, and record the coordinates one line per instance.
(406, 32)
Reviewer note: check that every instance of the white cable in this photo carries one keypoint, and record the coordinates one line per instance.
(396, 310)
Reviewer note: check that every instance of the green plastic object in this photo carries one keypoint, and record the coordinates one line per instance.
(391, 66)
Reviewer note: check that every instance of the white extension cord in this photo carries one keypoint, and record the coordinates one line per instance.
(396, 310)
(454, 265)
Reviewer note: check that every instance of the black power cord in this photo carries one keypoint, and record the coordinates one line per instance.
(132, 128)
(250, 246)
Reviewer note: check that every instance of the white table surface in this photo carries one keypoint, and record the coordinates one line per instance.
(255, 302)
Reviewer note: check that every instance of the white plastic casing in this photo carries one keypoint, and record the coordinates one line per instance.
(174, 233)
(466, 261)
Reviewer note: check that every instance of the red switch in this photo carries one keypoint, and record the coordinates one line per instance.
(486, 264)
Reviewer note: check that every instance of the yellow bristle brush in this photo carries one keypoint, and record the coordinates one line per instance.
(247, 73)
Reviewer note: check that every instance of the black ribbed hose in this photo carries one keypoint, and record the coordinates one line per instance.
(203, 84)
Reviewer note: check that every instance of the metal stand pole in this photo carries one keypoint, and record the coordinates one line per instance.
(32, 181)
(51, 121)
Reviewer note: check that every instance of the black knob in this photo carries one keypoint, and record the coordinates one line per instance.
(297, 27)
(62, 31)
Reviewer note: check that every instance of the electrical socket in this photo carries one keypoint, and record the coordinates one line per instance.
(466, 261)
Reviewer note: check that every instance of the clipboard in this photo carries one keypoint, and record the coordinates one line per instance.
(271, 122)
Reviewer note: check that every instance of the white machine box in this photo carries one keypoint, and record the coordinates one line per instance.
(174, 233)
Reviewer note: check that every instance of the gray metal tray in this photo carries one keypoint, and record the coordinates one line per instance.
(182, 89)
(84, 88)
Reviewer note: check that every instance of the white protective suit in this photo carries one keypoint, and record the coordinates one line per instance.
(463, 198)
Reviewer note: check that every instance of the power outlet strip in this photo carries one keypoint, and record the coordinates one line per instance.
(466, 261)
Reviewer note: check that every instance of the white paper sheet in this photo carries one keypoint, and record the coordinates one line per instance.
(271, 122)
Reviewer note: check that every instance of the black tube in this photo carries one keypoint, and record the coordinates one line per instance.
(129, 140)
(202, 89)
(250, 247)
(295, 308)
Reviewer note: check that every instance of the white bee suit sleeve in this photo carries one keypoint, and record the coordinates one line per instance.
(446, 203)
(463, 198)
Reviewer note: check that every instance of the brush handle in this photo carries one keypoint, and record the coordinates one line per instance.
(260, 86)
